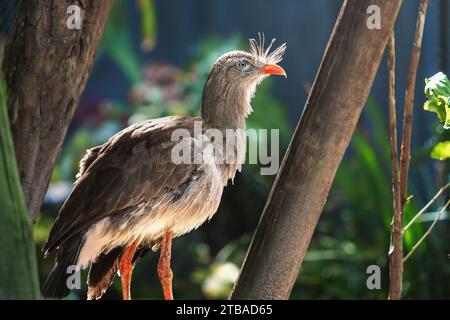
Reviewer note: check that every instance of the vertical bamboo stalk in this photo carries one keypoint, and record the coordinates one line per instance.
(18, 267)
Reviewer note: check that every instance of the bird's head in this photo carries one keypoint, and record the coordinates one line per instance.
(233, 79)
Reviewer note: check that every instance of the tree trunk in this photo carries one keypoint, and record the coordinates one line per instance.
(330, 116)
(18, 270)
(46, 67)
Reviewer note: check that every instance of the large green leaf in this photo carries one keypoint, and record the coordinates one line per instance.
(18, 267)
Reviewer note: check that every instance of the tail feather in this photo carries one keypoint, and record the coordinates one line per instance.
(56, 284)
(104, 269)
(102, 273)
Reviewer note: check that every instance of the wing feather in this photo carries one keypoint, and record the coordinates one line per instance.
(132, 167)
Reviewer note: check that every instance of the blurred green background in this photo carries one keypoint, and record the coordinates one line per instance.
(354, 229)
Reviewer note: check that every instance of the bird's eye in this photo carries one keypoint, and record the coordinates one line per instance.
(242, 65)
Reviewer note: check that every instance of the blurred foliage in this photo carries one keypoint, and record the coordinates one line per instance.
(353, 231)
(441, 151)
(148, 18)
(117, 40)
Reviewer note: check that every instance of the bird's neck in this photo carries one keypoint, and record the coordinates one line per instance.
(224, 109)
(225, 106)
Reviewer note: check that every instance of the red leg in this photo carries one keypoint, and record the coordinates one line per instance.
(164, 271)
(126, 269)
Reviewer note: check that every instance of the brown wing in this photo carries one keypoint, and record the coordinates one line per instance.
(132, 167)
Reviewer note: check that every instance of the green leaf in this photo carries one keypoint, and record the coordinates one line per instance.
(441, 151)
(437, 90)
(148, 23)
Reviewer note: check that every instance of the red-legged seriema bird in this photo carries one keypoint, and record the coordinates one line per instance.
(131, 196)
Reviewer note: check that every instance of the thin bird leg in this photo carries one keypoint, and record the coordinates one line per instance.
(164, 271)
(126, 269)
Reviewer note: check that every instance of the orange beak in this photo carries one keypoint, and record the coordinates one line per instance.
(273, 69)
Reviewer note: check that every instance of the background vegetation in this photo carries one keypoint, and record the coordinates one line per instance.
(354, 229)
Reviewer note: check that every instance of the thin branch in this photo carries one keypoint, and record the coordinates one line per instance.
(393, 125)
(427, 233)
(409, 101)
(396, 246)
(436, 196)
(400, 180)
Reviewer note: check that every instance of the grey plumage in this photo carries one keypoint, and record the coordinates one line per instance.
(130, 189)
